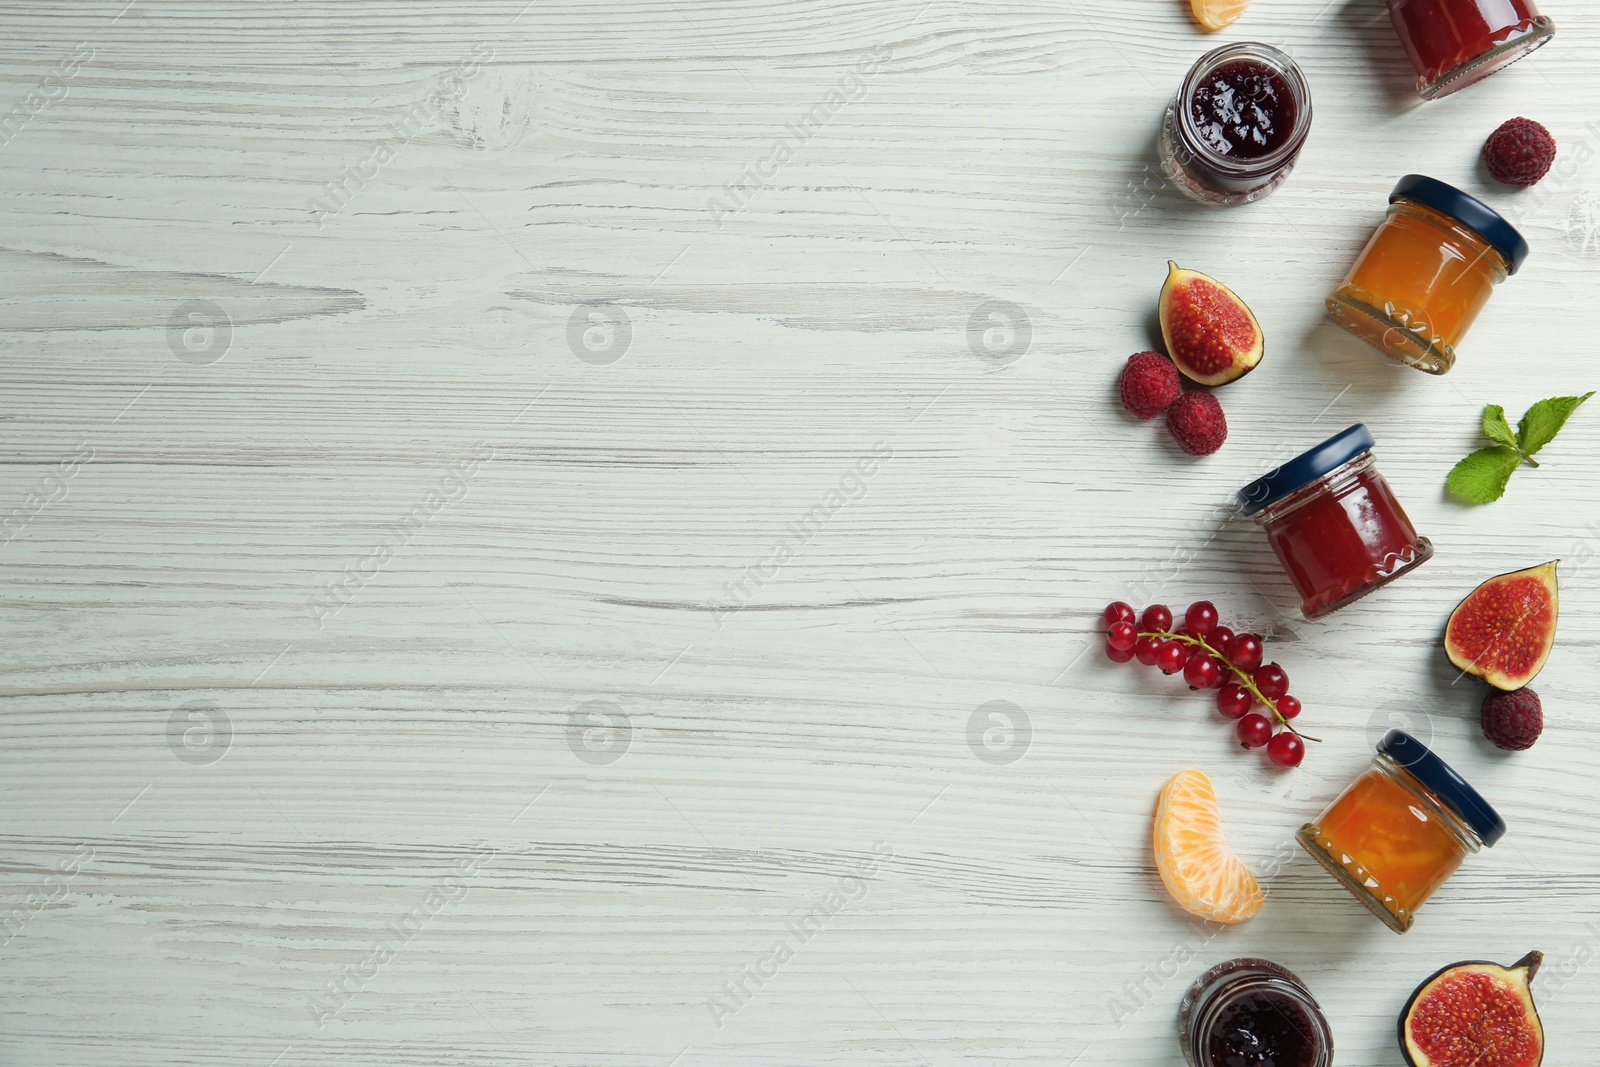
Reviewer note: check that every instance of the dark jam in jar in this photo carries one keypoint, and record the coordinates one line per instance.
(1453, 43)
(1236, 125)
(1252, 1013)
(1243, 109)
(1263, 1028)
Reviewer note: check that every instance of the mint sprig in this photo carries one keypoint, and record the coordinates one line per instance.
(1482, 476)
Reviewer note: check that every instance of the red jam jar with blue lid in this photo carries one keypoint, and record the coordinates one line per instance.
(1334, 523)
(1453, 43)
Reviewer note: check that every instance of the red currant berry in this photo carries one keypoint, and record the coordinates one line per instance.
(1254, 730)
(1117, 612)
(1286, 750)
(1201, 618)
(1117, 655)
(1233, 700)
(1201, 672)
(1272, 680)
(1156, 617)
(1145, 649)
(1288, 706)
(1219, 638)
(1171, 656)
(1122, 636)
(1246, 651)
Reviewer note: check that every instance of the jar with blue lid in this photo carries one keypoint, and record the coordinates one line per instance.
(1401, 829)
(1334, 523)
(1426, 273)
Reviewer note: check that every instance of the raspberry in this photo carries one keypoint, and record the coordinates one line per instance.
(1149, 384)
(1195, 420)
(1512, 720)
(1519, 152)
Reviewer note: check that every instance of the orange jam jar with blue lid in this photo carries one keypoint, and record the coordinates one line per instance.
(1401, 830)
(1426, 273)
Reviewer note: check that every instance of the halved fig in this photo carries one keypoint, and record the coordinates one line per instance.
(1211, 335)
(1503, 631)
(1475, 1014)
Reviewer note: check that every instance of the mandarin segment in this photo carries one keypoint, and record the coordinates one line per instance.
(1215, 14)
(1192, 854)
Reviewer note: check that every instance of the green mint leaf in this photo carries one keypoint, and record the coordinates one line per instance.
(1495, 427)
(1483, 475)
(1544, 420)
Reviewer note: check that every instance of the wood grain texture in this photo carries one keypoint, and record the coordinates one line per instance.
(482, 569)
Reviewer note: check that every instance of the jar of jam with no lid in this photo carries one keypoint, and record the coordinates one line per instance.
(1426, 273)
(1401, 829)
(1249, 1012)
(1232, 133)
(1453, 43)
(1335, 525)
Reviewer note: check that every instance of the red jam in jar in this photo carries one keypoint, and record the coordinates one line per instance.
(1453, 43)
(1334, 523)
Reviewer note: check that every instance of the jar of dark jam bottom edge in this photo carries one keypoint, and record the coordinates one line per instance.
(1252, 1011)
(1233, 131)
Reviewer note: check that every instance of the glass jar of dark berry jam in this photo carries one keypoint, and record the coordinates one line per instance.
(1334, 523)
(1252, 1013)
(1453, 43)
(1232, 133)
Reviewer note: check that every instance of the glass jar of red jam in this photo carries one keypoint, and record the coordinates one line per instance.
(1453, 43)
(1334, 523)
(1426, 273)
(1232, 133)
(1252, 1012)
(1401, 829)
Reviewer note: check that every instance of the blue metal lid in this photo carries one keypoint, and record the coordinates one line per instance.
(1442, 780)
(1304, 469)
(1471, 212)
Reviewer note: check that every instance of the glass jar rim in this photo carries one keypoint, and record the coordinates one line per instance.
(1214, 990)
(1284, 65)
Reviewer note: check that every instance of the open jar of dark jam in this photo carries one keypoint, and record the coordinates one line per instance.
(1252, 1013)
(1234, 130)
(1453, 43)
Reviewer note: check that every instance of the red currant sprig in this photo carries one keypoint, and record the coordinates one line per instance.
(1213, 656)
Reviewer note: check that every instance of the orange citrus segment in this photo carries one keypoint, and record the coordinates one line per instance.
(1215, 14)
(1200, 870)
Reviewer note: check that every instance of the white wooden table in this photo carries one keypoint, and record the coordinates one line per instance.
(417, 647)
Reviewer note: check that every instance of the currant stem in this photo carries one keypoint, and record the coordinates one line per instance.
(1243, 676)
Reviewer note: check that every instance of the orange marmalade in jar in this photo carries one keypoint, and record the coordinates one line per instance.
(1426, 273)
(1401, 829)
